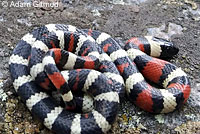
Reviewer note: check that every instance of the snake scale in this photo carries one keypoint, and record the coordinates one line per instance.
(91, 71)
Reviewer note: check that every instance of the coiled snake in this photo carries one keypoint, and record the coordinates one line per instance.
(89, 67)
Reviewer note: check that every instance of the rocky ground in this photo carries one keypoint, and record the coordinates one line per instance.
(176, 20)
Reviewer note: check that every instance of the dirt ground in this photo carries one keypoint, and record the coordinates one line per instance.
(176, 20)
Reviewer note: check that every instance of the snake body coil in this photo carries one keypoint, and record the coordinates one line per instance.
(85, 67)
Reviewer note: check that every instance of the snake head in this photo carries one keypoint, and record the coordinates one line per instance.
(167, 47)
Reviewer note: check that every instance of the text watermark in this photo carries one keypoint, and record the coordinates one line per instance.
(20, 4)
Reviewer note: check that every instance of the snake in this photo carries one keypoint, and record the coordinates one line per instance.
(90, 72)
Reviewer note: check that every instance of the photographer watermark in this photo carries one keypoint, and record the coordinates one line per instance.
(30, 4)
